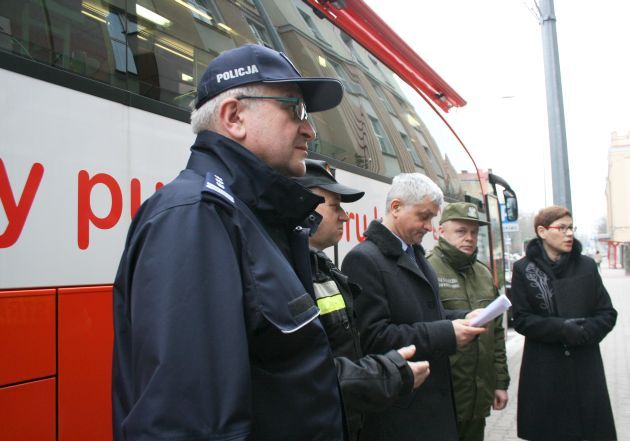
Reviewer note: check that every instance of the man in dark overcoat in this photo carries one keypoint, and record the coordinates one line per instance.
(400, 306)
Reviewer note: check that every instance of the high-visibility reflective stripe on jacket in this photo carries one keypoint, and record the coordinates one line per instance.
(369, 383)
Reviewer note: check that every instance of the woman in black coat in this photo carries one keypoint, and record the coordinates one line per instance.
(563, 309)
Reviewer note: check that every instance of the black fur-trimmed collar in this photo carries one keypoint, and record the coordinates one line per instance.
(537, 254)
(535, 249)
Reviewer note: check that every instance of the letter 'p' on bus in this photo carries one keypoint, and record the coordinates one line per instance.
(86, 215)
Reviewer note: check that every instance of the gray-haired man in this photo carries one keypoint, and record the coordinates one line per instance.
(399, 306)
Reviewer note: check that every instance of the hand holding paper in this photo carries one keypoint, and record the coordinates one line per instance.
(464, 332)
(492, 311)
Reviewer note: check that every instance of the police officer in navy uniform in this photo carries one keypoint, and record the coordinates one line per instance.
(369, 383)
(217, 335)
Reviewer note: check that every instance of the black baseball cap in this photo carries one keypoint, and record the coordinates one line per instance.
(318, 175)
(252, 63)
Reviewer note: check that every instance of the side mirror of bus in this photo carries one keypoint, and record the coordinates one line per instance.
(511, 205)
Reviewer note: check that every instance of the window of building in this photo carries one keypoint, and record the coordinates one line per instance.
(260, 32)
(381, 96)
(391, 166)
(202, 10)
(378, 67)
(350, 43)
(349, 85)
(434, 162)
(412, 150)
(123, 57)
(383, 140)
(311, 24)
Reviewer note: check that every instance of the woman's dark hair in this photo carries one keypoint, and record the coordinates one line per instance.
(548, 215)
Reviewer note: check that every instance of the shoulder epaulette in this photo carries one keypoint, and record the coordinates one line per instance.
(214, 185)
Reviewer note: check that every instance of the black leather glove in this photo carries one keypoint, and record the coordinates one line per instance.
(573, 333)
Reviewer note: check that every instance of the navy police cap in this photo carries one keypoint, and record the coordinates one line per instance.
(318, 174)
(253, 63)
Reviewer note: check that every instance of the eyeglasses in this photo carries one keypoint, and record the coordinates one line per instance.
(562, 228)
(297, 104)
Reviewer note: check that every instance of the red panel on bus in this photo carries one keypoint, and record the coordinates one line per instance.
(85, 363)
(28, 411)
(27, 335)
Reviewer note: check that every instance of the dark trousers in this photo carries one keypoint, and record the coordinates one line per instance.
(471, 430)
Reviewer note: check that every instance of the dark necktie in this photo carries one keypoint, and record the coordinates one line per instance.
(409, 251)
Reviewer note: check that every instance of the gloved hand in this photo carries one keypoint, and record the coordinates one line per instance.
(573, 333)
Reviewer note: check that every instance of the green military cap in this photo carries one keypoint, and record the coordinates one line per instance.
(461, 211)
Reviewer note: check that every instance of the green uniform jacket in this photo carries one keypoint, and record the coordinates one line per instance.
(479, 368)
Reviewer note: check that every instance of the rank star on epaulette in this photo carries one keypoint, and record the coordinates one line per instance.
(214, 184)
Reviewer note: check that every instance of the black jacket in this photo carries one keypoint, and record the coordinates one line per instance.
(562, 388)
(399, 306)
(216, 333)
(368, 383)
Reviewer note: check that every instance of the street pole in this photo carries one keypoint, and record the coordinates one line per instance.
(555, 108)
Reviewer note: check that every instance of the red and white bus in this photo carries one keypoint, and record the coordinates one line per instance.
(95, 107)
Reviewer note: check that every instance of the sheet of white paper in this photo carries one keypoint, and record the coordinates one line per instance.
(492, 311)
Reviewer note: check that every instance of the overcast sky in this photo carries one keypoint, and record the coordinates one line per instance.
(490, 52)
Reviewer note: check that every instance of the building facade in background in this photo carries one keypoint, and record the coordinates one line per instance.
(618, 200)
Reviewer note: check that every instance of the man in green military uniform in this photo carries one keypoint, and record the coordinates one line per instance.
(479, 369)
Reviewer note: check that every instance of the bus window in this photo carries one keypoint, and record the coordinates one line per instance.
(150, 55)
(382, 126)
(155, 49)
(159, 49)
(59, 33)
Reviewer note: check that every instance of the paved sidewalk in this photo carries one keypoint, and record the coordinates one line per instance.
(501, 426)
